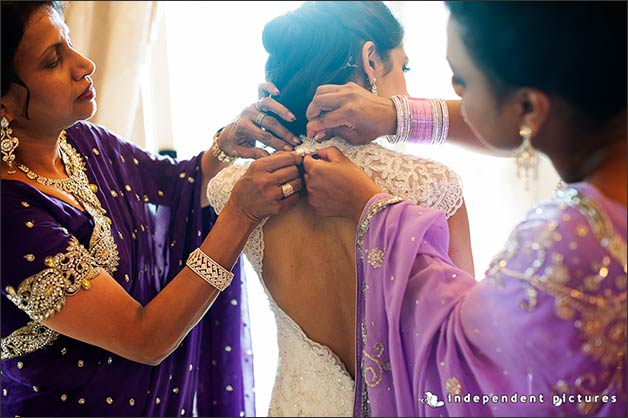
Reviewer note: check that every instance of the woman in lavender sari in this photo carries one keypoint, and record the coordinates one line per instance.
(105, 312)
(544, 333)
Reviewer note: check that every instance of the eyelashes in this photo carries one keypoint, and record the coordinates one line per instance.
(55, 62)
(457, 81)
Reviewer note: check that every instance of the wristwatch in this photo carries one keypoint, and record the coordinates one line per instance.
(218, 152)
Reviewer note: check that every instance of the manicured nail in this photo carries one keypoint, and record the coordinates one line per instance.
(319, 136)
(287, 148)
(291, 117)
(296, 140)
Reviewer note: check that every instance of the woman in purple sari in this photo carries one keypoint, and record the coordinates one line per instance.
(544, 333)
(111, 257)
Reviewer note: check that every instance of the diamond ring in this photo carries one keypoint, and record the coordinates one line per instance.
(287, 189)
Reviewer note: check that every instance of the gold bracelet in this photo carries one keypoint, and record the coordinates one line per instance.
(218, 152)
(208, 270)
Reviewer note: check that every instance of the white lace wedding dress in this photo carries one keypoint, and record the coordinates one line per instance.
(311, 380)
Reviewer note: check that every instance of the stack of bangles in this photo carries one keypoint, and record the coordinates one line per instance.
(420, 121)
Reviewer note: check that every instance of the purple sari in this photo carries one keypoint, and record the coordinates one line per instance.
(543, 334)
(156, 221)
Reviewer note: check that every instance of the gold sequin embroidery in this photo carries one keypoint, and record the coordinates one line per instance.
(373, 366)
(453, 386)
(375, 208)
(600, 318)
(44, 294)
(375, 257)
(31, 337)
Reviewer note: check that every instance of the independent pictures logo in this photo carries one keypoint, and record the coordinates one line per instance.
(430, 399)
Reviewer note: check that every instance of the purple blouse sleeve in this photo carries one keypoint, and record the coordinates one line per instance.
(47, 262)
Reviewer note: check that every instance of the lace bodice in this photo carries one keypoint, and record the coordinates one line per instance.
(311, 380)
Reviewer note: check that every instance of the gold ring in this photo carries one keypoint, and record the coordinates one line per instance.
(287, 189)
(259, 119)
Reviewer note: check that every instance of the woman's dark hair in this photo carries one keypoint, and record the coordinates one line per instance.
(321, 43)
(574, 50)
(15, 17)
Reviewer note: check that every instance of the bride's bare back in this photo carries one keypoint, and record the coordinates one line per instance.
(309, 268)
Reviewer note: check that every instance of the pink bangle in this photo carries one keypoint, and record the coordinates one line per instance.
(428, 120)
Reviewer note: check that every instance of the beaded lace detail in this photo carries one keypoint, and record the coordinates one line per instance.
(311, 380)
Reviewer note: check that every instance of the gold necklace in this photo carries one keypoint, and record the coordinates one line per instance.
(76, 184)
(102, 245)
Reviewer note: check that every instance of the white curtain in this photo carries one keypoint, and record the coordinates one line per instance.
(121, 38)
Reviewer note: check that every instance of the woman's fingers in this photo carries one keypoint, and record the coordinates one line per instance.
(335, 122)
(280, 160)
(257, 128)
(285, 174)
(329, 97)
(269, 186)
(274, 134)
(267, 88)
(289, 188)
(268, 104)
(331, 154)
(258, 123)
(321, 103)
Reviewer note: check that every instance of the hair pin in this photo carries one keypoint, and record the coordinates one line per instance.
(350, 64)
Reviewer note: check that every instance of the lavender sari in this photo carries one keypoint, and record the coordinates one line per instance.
(544, 334)
(156, 221)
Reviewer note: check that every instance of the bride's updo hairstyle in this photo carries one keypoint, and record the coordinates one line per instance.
(321, 43)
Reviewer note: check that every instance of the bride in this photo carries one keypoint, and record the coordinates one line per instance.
(306, 263)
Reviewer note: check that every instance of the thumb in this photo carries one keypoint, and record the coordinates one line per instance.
(331, 154)
(252, 152)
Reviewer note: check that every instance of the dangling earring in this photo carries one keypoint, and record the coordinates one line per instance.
(9, 144)
(374, 87)
(526, 157)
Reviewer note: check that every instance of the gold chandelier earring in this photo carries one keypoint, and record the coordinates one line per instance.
(526, 157)
(374, 87)
(9, 145)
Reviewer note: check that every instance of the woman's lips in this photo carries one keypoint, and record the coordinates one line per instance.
(88, 94)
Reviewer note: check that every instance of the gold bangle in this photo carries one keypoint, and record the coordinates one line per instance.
(208, 270)
(218, 152)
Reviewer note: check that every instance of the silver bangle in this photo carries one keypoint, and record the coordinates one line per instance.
(208, 270)
(404, 120)
(445, 125)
